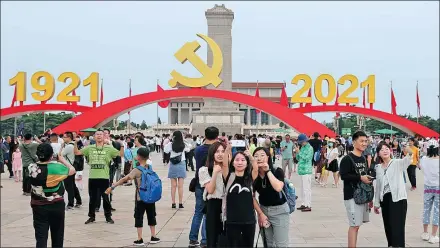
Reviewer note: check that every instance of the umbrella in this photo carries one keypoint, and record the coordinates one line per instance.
(385, 131)
(90, 129)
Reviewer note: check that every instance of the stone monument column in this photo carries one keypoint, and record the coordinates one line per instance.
(222, 114)
(219, 20)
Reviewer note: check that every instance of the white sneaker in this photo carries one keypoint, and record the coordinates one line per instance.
(433, 240)
(425, 236)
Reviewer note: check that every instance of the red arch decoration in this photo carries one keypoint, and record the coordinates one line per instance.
(401, 123)
(12, 112)
(99, 116)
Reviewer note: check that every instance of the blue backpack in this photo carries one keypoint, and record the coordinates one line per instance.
(150, 190)
(290, 194)
(317, 155)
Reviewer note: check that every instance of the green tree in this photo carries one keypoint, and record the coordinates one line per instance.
(34, 123)
(143, 125)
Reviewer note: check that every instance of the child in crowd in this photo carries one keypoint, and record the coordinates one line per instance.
(17, 165)
(141, 207)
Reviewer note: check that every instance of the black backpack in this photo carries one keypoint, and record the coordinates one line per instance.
(78, 162)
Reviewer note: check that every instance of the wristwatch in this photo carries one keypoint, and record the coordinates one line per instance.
(113, 187)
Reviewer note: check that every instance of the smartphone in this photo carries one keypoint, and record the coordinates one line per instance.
(238, 143)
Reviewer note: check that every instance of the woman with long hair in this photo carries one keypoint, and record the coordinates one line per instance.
(431, 195)
(48, 209)
(238, 203)
(177, 170)
(332, 163)
(321, 164)
(210, 178)
(273, 210)
(390, 194)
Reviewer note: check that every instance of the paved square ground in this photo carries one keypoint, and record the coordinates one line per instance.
(325, 226)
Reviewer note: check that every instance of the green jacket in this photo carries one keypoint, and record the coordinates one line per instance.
(304, 158)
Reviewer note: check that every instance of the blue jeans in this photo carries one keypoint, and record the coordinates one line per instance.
(198, 218)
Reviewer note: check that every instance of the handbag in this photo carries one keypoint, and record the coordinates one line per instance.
(193, 184)
(261, 233)
(363, 193)
(177, 159)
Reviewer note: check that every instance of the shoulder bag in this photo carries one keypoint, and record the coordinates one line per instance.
(363, 193)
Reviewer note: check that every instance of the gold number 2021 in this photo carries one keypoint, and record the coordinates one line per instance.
(345, 97)
(44, 84)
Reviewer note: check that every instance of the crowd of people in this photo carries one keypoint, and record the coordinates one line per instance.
(237, 186)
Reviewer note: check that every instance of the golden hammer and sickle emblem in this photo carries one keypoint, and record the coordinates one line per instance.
(210, 75)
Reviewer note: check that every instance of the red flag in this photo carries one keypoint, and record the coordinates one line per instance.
(14, 98)
(363, 99)
(418, 100)
(257, 95)
(162, 104)
(284, 101)
(309, 95)
(393, 102)
(72, 103)
(337, 101)
(101, 97)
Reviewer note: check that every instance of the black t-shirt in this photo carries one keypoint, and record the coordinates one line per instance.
(316, 144)
(278, 143)
(240, 203)
(267, 195)
(117, 146)
(350, 173)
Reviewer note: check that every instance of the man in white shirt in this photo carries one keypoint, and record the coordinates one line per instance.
(56, 146)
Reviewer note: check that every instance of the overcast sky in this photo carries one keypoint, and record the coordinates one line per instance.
(272, 41)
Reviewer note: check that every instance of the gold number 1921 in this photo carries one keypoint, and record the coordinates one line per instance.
(47, 88)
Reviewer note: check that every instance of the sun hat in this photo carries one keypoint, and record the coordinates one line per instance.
(331, 140)
(302, 138)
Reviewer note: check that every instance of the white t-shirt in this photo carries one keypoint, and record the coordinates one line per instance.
(332, 154)
(169, 149)
(157, 140)
(431, 172)
(56, 148)
(60, 141)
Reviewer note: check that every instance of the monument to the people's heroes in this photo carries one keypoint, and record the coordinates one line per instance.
(222, 114)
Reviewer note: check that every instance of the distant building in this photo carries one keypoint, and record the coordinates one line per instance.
(180, 110)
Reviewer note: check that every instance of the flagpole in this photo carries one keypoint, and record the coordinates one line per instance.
(129, 115)
(157, 110)
(44, 122)
(391, 106)
(417, 90)
(15, 126)
(258, 117)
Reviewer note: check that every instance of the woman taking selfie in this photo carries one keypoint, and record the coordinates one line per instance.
(238, 202)
(210, 178)
(47, 202)
(431, 196)
(391, 193)
(177, 170)
(273, 210)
